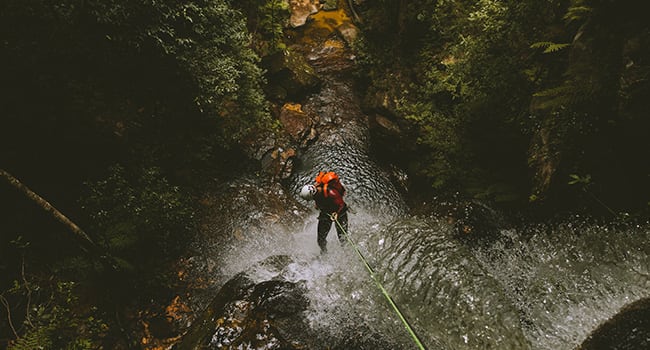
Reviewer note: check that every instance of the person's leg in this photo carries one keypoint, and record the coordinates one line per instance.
(343, 221)
(324, 225)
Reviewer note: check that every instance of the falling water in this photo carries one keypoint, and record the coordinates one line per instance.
(565, 279)
(541, 287)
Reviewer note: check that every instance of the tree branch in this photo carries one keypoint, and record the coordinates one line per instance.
(11, 323)
(45, 205)
(88, 245)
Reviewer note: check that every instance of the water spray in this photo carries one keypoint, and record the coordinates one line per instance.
(410, 330)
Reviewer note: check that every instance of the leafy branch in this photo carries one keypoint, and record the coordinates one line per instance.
(549, 47)
(577, 12)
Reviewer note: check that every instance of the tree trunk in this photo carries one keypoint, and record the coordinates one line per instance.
(87, 244)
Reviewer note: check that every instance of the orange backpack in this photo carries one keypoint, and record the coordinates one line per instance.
(329, 179)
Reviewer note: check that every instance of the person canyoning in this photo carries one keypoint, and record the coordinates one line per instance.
(327, 192)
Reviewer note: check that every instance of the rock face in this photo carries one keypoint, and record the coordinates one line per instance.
(295, 123)
(292, 75)
(254, 315)
(278, 162)
(386, 126)
(301, 10)
(349, 32)
(298, 131)
(627, 330)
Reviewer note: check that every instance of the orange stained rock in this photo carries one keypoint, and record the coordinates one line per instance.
(148, 341)
(330, 19)
(337, 44)
(296, 107)
(176, 309)
(324, 23)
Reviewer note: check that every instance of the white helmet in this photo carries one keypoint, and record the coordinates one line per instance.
(307, 192)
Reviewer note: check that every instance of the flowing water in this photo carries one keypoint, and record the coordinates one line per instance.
(541, 287)
(538, 287)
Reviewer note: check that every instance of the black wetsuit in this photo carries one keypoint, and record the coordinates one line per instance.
(333, 203)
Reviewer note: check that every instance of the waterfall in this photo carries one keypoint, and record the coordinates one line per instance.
(538, 287)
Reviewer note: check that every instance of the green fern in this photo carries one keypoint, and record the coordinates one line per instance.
(37, 338)
(577, 13)
(555, 97)
(548, 46)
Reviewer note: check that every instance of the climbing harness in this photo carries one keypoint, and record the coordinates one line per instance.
(381, 287)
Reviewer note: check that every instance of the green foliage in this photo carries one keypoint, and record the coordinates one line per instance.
(549, 47)
(583, 181)
(209, 40)
(266, 21)
(577, 11)
(52, 321)
(153, 54)
(39, 338)
(439, 136)
(467, 88)
(484, 102)
(139, 211)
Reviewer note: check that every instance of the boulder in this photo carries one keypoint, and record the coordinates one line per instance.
(628, 329)
(254, 315)
(348, 31)
(385, 126)
(295, 123)
(301, 10)
(293, 77)
(278, 162)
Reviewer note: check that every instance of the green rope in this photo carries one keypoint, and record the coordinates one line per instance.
(381, 287)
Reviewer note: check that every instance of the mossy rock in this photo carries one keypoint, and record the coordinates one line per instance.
(330, 5)
(290, 73)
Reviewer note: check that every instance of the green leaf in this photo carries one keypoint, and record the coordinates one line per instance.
(549, 47)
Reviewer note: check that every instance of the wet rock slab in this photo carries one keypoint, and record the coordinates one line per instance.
(254, 314)
(627, 330)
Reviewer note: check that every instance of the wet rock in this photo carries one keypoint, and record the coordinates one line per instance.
(259, 142)
(385, 126)
(278, 162)
(301, 10)
(383, 100)
(627, 330)
(313, 134)
(474, 221)
(295, 123)
(254, 315)
(348, 31)
(293, 77)
(251, 204)
(386, 99)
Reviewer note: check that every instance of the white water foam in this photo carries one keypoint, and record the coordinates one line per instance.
(344, 299)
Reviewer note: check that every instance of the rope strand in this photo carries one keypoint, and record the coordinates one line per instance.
(380, 286)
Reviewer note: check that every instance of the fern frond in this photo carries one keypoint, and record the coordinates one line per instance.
(577, 13)
(555, 47)
(540, 44)
(549, 46)
(37, 338)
